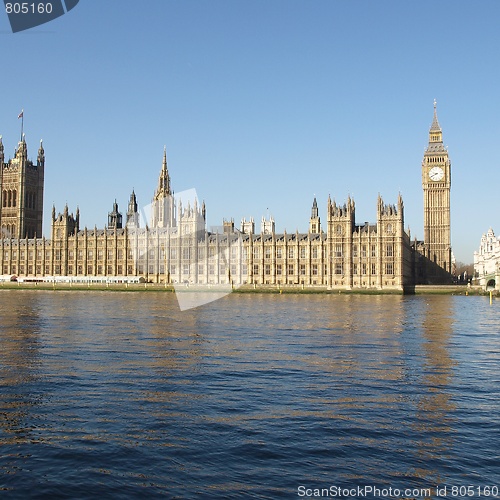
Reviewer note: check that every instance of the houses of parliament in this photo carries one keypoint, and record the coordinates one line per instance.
(174, 246)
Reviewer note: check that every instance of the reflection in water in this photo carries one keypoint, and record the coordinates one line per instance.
(248, 396)
(435, 405)
(19, 368)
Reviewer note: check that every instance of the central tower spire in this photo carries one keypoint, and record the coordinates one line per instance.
(163, 207)
(164, 180)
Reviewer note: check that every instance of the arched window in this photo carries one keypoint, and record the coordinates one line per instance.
(4, 196)
(9, 203)
(14, 198)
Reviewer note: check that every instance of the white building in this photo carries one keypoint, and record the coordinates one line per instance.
(487, 261)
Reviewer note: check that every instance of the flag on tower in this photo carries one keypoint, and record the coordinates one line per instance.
(21, 114)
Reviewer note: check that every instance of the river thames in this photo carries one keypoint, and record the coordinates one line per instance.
(121, 395)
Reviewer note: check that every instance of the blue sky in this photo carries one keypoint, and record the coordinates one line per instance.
(261, 104)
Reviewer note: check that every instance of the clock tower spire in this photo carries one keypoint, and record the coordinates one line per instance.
(436, 184)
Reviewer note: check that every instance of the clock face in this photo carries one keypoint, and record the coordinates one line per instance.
(436, 173)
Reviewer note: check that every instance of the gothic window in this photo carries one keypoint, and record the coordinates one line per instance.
(278, 253)
(339, 229)
(256, 252)
(290, 252)
(315, 269)
(268, 269)
(256, 268)
(374, 268)
(279, 269)
(338, 268)
(389, 269)
(10, 199)
(315, 252)
(389, 250)
(389, 229)
(4, 196)
(302, 269)
(267, 251)
(290, 268)
(302, 252)
(363, 252)
(355, 269)
(14, 198)
(338, 250)
(374, 251)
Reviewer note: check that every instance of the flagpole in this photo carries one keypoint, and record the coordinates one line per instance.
(21, 115)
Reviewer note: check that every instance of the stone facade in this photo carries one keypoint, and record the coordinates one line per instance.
(174, 245)
(21, 193)
(487, 261)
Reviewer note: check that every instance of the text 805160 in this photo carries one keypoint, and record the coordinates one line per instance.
(28, 8)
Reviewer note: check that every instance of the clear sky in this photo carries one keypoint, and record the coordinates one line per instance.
(261, 104)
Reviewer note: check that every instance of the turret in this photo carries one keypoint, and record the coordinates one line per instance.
(22, 149)
(41, 155)
(132, 214)
(314, 221)
(115, 218)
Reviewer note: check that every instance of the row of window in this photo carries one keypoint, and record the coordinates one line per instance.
(188, 269)
(9, 199)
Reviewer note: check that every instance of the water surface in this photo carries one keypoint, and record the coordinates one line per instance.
(121, 395)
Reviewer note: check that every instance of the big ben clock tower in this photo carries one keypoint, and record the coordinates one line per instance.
(436, 184)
